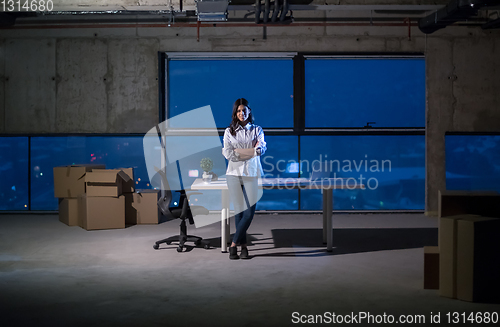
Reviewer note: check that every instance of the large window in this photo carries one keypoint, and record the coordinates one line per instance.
(346, 93)
(52, 151)
(27, 164)
(472, 162)
(318, 108)
(391, 167)
(14, 172)
(266, 83)
(312, 108)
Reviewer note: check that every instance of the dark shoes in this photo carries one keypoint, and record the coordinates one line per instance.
(244, 253)
(233, 253)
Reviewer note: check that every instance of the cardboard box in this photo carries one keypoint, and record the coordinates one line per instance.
(68, 211)
(431, 267)
(128, 186)
(478, 265)
(447, 239)
(101, 212)
(69, 181)
(144, 209)
(130, 211)
(105, 182)
(483, 203)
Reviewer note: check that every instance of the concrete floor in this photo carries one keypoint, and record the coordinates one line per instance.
(55, 275)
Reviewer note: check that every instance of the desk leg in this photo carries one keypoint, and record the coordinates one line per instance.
(224, 223)
(228, 228)
(329, 218)
(223, 241)
(324, 214)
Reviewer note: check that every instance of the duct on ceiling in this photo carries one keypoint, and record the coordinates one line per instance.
(454, 11)
(491, 24)
(279, 9)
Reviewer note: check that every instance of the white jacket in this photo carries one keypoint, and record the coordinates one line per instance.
(245, 138)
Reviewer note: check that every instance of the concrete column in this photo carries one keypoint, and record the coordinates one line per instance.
(30, 85)
(82, 66)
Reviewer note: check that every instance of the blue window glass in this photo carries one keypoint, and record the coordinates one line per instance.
(266, 84)
(277, 162)
(182, 172)
(13, 169)
(391, 167)
(280, 161)
(351, 92)
(49, 152)
(472, 162)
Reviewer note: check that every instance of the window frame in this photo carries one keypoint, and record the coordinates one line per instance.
(298, 106)
(299, 129)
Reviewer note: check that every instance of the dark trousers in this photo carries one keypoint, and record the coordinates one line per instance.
(243, 192)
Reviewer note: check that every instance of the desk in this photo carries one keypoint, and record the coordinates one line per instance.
(326, 184)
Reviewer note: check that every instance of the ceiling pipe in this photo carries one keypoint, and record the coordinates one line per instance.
(267, 10)
(199, 24)
(492, 24)
(454, 11)
(277, 7)
(257, 11)
(409, 27)
(284, 10)
(132, 13)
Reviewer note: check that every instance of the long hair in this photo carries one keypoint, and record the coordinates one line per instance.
(234, 118)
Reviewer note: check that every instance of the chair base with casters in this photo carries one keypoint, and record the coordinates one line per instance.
(183, 238)
(184, 212)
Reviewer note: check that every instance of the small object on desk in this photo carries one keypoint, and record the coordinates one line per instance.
(207, 164)
(207, 178)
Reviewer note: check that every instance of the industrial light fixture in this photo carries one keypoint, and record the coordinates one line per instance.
(212, 10)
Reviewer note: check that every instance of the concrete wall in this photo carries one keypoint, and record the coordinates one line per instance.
(104, 80)
(30, 85)
(78, 85)
(463, 79)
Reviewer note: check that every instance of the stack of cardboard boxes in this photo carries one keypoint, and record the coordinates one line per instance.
(142, 208)
(103, 204)
(469, 250)
(93, 197)
(69, 182)
(469, 266)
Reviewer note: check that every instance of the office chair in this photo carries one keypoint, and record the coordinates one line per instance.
(183, 211)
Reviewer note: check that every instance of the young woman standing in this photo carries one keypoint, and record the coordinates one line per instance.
(243, 145)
